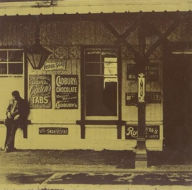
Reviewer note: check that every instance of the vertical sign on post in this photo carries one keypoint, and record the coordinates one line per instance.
(40, 91)
(141, 88)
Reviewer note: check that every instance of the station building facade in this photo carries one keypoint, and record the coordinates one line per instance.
(86, 94)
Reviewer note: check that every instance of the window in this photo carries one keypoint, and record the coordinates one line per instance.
(101, 81)
(11, 61)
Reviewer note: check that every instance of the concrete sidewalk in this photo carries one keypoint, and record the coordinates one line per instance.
(111, 160)
(49, 167)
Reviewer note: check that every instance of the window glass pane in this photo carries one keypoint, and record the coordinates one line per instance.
(110, 59)
(92, 57)
(15, 56)
(101, 91)
(3, 68)
(93, 68)
(101, 98)
(3, 56)
(15, 68)
(110, 68)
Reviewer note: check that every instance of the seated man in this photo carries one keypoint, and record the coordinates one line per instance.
(17, 113)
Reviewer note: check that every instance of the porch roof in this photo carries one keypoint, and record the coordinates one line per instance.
(48, 7)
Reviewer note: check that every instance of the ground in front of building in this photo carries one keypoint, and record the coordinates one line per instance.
(78, 167)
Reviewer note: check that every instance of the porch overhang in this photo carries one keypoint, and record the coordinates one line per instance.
(178, 48)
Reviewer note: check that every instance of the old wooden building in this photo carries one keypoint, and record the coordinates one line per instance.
(118, 75)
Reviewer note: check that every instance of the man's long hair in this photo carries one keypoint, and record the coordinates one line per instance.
(16, 94)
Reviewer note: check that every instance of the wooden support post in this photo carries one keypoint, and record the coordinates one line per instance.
(82, 131)
(119, 131)
(82, 124)
(141, 152)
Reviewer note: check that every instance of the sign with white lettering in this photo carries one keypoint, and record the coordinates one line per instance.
(151, 132)
(152, 72)
(55, 65)
(131, 98)
(131, 72)
(40, 91)
(153, 97)
(141, 88)
(66, 91)
(53, 131)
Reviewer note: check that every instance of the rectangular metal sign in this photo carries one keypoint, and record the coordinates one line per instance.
(131, 72)
(53, 131)
(151, 132)
(152, 72)
(40, 89)
(131, 98)
(66, 92)
(153, 97)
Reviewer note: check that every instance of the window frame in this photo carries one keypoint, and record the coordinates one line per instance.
(118, 77)
(7, 62)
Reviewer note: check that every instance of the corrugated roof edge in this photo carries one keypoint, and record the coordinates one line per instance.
(85, 7)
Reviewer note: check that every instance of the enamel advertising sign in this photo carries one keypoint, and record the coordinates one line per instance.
(66, 91)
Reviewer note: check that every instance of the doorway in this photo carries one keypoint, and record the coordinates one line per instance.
(177, 101)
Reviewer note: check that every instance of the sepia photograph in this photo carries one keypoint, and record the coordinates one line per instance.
(95, 94)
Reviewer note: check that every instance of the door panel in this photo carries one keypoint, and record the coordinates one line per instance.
(177, 101)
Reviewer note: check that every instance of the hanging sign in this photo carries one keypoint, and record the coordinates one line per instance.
(40, 91)
(141, 88)
(151, 132)
(66, 91)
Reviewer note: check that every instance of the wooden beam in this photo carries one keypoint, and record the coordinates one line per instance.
(163, 37)
(129, 30)
(111, 29)
(121, 38)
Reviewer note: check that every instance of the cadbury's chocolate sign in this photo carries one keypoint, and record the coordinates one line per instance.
(66, 91)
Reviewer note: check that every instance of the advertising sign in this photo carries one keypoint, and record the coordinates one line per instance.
(131, 72)
(153, 97)
(141, 88)
(152, 72)
(131, 98)
(151, 132)
(55, 65)
(66, 91)
(53, 131)
(40, 91)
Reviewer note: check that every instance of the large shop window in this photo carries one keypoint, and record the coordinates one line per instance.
(11, 62)
(101, 82)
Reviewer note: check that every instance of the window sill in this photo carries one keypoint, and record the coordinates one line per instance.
(100, 122)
